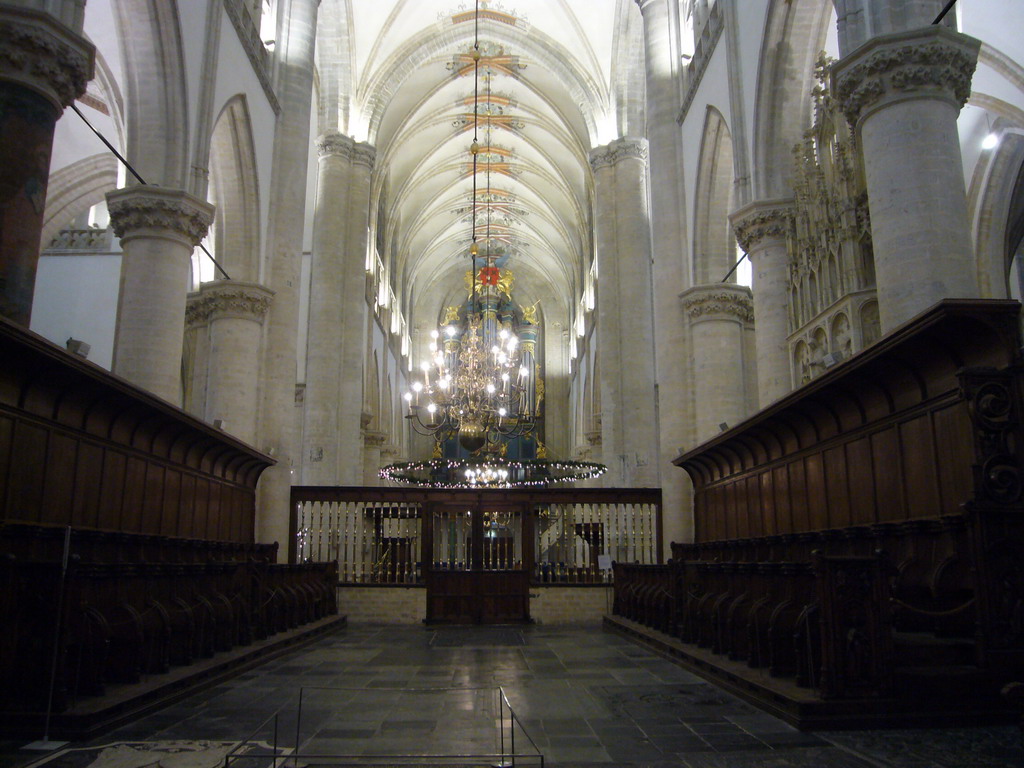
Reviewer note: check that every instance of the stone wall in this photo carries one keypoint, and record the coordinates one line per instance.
(407, 605)
(383, 604)
(570, 605)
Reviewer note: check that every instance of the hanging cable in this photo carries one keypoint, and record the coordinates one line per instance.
(944, 11)
(734, 266)
(141, 181)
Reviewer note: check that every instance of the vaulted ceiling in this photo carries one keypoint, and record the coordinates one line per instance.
(557, 78)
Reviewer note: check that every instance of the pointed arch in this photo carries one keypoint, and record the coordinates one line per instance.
(714, 244)
(795, 33)
(74, 189)
(234, 190)
(156, 104)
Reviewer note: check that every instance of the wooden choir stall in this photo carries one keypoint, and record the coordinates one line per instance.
(129, 571)
(859, 544)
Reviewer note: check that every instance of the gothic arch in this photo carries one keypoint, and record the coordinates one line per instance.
(372, 393)
(795, 33)
(588, 94)
(76, 188)
(714, 244)
(234, 190)
(334, 66)
(629, 82)
(156, 106)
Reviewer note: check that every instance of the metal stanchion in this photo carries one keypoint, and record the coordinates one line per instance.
(45, 745)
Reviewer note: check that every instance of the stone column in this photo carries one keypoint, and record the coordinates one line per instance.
(159, 228)
(903, 92)
(763, 229)
(624, 314)
(293, 84)
(355, 316)
(672, 272)
(373, 441)
(337, 310)
(45, 64)
(233, 313)
(720, 318)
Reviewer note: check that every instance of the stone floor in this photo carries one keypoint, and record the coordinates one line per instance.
(586, 697)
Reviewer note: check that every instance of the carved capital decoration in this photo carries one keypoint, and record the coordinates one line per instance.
(151, 207)
(718, 302)
(990, 398)
(620, 149)
(334, 144)
(932, 62)
(364, 154)
(42, 54)
(227, 298)
(760, 221)
(374, 439)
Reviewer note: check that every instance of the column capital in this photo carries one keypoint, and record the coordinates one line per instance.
(374, 439)
(645, 4)
(611, 153)
(335, 144)
(762, 220)
(40, 53)
(932, 62)
(227, 298)
(718, 302)
(148, 207)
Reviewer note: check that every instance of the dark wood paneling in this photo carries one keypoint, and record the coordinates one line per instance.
(88, 485)
(6, 445)
(135, 494)
(953, 439)
(920, 476)
(187, 508)
(837, 488)
(885, 461)
(799, 496)
(817, 501)
(59, 488)
(79, 446)
(760, 488)
(112, 496)
(478, 597)
(153, 504)
(862, 482)
(172, 504)
(28, 470)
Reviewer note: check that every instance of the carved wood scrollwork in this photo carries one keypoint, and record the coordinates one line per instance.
(990, 399)
(856, 639)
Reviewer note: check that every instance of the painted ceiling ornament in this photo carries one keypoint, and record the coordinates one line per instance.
(481, 389)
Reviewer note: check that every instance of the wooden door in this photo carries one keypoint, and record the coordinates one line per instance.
(479, 565)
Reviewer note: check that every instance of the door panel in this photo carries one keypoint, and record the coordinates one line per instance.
(478, 571)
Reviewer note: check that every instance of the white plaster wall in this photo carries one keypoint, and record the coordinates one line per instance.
(752, 16)
(73, 141)
(74, 299)
(713, 91)
(235, 75)
(995, 22)
(193, 30)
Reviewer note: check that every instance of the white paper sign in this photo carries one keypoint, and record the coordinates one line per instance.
(604, 562)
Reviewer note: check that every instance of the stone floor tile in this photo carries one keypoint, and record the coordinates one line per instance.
(589, 698)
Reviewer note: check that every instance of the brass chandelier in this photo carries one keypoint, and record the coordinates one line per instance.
(480, 385)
